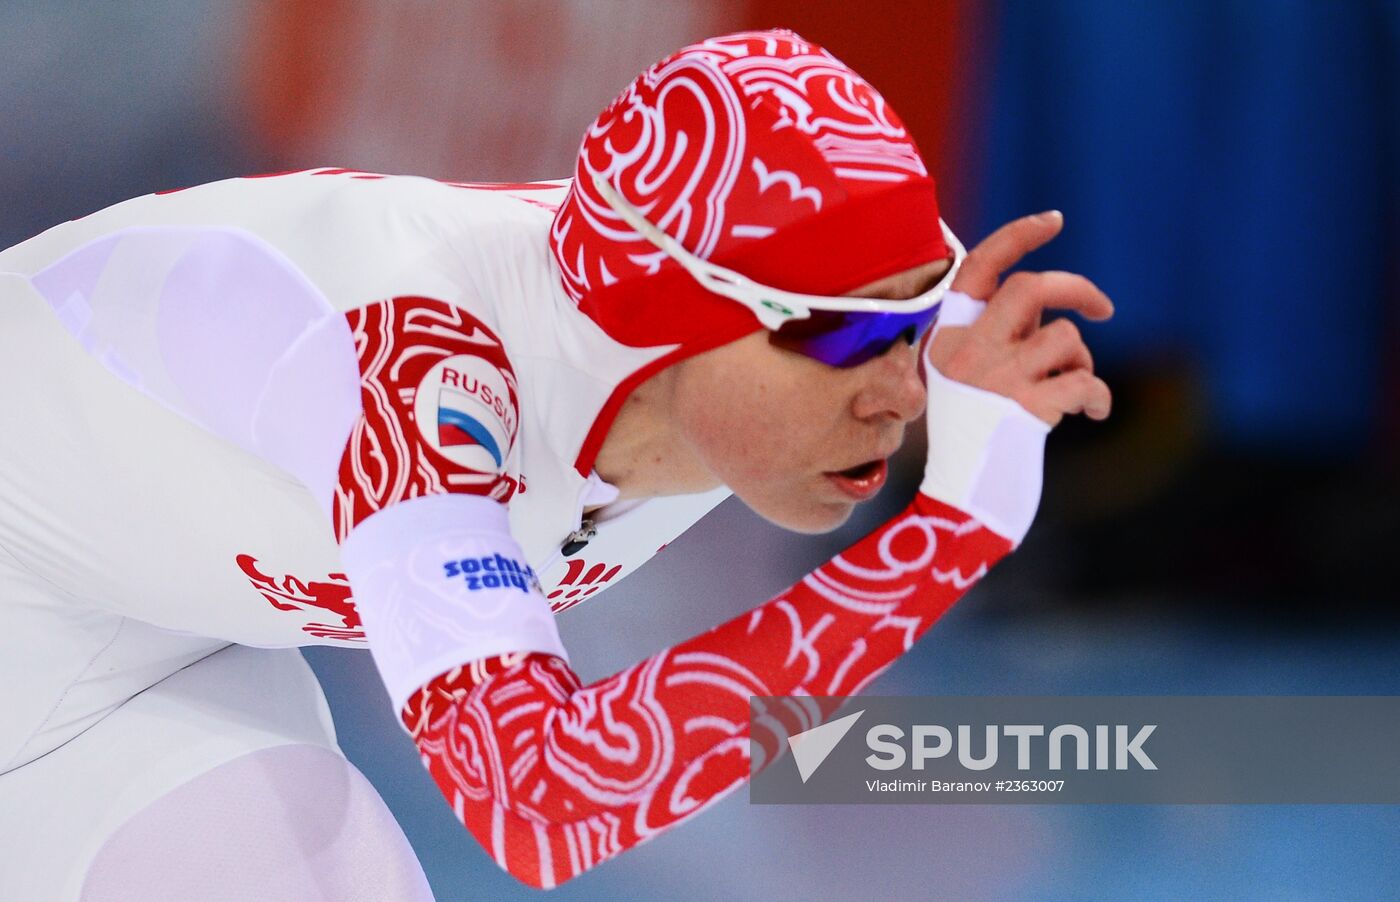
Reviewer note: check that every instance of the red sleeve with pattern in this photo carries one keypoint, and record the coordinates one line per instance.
(441, 409)
(553, 777)
(422, 484)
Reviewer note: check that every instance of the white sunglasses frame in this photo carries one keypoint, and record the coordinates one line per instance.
(773, 306)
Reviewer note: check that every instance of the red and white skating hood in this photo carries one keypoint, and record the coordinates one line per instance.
(759, 151)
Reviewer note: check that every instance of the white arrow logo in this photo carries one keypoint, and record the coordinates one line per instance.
(810, 747)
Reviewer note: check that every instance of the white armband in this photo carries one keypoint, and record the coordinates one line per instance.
(439, 582)
(958, 309)
(985, 455)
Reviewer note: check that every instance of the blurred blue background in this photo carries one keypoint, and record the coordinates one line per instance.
(1229, 174)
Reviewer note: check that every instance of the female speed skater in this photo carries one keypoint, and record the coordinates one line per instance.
(343, 408)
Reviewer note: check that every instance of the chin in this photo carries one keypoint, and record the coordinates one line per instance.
(809, 519)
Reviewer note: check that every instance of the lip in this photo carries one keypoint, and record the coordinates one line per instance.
(864, 488)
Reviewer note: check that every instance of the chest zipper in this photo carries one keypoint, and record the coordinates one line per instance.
(579, 538)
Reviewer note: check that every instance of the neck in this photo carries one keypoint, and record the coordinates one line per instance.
(644, 454)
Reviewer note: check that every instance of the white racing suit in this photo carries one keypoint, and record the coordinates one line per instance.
(138, 538)
(221, 401)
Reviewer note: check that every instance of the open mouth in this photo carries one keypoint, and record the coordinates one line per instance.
(862, 471)
(862, 481)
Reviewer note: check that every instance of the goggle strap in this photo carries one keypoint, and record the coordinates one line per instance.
(769, 311)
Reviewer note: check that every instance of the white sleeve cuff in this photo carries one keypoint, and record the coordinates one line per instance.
(958, 309)
(439, 582)
(985, 455)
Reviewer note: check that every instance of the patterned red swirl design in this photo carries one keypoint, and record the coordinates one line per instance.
(581, 579)
(721, 143)
(387, 459)
(329, 596)
(553, 777)
(673, 144)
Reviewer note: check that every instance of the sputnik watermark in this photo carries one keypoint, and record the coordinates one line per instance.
(888, 753)
(1213, 749)
(885, 741)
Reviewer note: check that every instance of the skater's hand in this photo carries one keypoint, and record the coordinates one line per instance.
(1047, 369)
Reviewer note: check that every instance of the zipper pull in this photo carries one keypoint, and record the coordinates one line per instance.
(577, 539)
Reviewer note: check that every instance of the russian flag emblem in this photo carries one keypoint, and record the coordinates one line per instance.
(461, 421)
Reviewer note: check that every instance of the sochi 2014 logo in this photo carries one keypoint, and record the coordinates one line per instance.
(464, 411)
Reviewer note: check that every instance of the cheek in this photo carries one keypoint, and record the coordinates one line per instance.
(741, 440)
(759, 418)
(766, 448)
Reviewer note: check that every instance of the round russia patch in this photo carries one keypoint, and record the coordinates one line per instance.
(465, 411)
